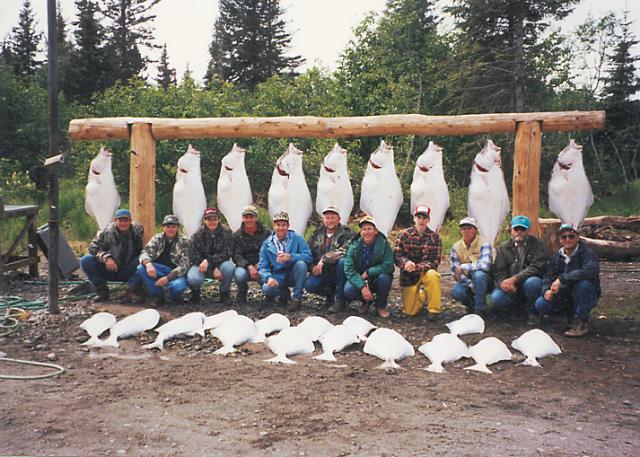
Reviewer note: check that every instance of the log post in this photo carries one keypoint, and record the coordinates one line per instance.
(526, 172)
(142, 186)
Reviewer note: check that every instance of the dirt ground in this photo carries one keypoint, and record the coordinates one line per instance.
(187, 401)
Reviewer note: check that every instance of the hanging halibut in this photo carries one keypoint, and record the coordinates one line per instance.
(488, 199)
(234, 190)
(101, 195)
(289, 191)
(570, 195)
(334, 186)
(429, 187)
(189, 201)
(381, 193)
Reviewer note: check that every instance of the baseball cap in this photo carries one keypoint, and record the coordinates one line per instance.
(330, 209)
(468, 221)
(250, 211)
(171, 219)
(422, 209)
(211, 212)
(567, 226)
(367, 220)
(520, 221)
(122, 214)
(281, 216)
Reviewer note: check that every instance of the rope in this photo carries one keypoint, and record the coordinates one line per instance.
(58, 368)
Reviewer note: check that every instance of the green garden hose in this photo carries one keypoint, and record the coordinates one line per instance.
(58, 368)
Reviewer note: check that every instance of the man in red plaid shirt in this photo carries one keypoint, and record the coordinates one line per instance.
(418, 252)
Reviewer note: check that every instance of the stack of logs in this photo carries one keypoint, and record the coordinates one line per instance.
(612, 237)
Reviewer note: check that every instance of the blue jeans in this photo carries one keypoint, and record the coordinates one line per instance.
(98, 274)
(176, 286)
(195, 277)
(473, 298)
(295, 277)
(380, 289)
(241, 275)
(327, 282)
(528, 292)
(579, 299)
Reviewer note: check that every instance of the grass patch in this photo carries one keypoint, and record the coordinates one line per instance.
(623, 201)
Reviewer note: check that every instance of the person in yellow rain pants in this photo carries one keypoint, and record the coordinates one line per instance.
(418, 252)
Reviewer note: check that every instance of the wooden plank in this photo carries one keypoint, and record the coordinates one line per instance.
(526, 172)
(142, 187)
(336, 127)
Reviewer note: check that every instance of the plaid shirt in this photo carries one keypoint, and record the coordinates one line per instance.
(483, 263)
(425, 250)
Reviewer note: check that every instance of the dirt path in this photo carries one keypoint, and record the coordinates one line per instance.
(187, 401)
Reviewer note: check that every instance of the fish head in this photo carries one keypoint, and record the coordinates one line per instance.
(570, 156)
(101, 163)
(430, 158)
(290, 162)
(234, 159)
(381, 157)
(488, 159)
(189, 163)
(336, 161)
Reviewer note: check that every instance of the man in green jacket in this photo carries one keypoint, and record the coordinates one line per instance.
(368, 268)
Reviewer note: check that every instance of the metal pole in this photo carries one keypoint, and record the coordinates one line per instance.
(54, 227)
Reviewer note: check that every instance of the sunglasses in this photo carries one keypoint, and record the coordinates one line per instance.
(519, 229)
(567, 237)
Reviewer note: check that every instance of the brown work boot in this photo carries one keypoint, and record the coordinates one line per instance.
(383, 313)
(363, 308)
(294, 305)
(131, 295)
(196, 295)
(285, 296)
(102, 293)
(338, 307)
(579, 329)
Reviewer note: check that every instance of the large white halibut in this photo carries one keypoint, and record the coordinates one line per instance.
(381, 193)
(570, 195)
(535, 344)
(488, 200)
(188, 325)
(95, 326)
(101, 194)
(189, 201)
(132, 325)
(290, 341)
(443, 348)
(361, 326)
(471, 323)
(274, 322)
(486, 352)
(335, 340)
(234, 190)
(235, 331)
(388, 345)
(334, 185)
(289, 191)
(429, 187)
(315, 326)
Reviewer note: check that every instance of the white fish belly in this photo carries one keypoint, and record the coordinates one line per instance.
(570, 197)
(101, 201)
(434, 193)
(233, 194)
(189, 203)
(488, 203)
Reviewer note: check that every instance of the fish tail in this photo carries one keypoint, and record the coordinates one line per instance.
(93, 342)
(260, 338)
(224, 350)
(326, 356)
(281, 358)
(389, 364)
(157, 344)
(530, 361)
(479, 367)
(112, 341)
(435, 368)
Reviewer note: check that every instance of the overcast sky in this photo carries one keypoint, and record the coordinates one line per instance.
(321, 29)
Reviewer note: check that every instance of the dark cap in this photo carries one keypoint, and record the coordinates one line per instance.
(567, 227)
(170, 219)
(122, 214)
(211, 212)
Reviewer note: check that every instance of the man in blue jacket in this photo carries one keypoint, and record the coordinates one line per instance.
(571, 281)
(284, 262)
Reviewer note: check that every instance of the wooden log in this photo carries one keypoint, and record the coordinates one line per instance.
(526, 172)
(620, 222)
(336, 127)
(142, 172)
(614, 250)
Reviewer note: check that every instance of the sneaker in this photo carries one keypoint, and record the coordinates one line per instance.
(533, 320)
(102, 294)
(383, 313)
(294, 305)
(363, 308)
(196, 295)
(338, 307)
(579, 329)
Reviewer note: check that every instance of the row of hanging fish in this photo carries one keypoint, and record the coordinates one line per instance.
(233, 330)
(570, 194)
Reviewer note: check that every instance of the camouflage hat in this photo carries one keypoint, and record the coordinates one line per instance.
(170, 219)
(250, 211)
(281, 216)
(367, 220)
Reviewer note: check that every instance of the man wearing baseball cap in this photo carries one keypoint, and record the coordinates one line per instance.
(113, 256)
(164, 262)
(571, 282)
(418, 253)
(211, 256)
(368, 268)
(247, 241)
(284, 261)
(329, 245)
(518, 269)
(471, 267)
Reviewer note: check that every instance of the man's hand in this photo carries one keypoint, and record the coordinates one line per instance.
(203, 266)
(555, 286)
(366, 293)
(365, 276)
(458, 274)
(317, 268)
(409, 266)
(283, 257)
(217, 274)
(111, 264)
(509, 285)
(253, 272)
(151, 270)
(162, 282)
(548, 295)
(272, 283)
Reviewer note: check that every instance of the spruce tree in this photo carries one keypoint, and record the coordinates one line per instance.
(166, 75)
(23, 44)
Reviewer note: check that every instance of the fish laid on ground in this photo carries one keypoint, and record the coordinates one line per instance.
(95, 326)
(235, 331)
(315, 326)
(335, 340)
(289, 191)
(215, 321)
(388, 345)
(234, 191)
(274, 322)
(443, 348)
(334, 185)
(189, 200)
(381, 193)
(488, 200)
(429, 187)
(488, 351)
(471, 323)
(361, 326)
(101, 194)
(290, 341)
(535, 344)
(187, 325)
(570, 195)
(132, 325)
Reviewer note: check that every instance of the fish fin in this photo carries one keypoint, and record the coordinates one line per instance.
(281, 358)
(93, 342)
(530, 361)
(259, 338)
(157, 344)
(389, 364)
(362, 338)
(479, 367)
(112, 342)
(224, 350)
(326, 356)
(435, 368)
